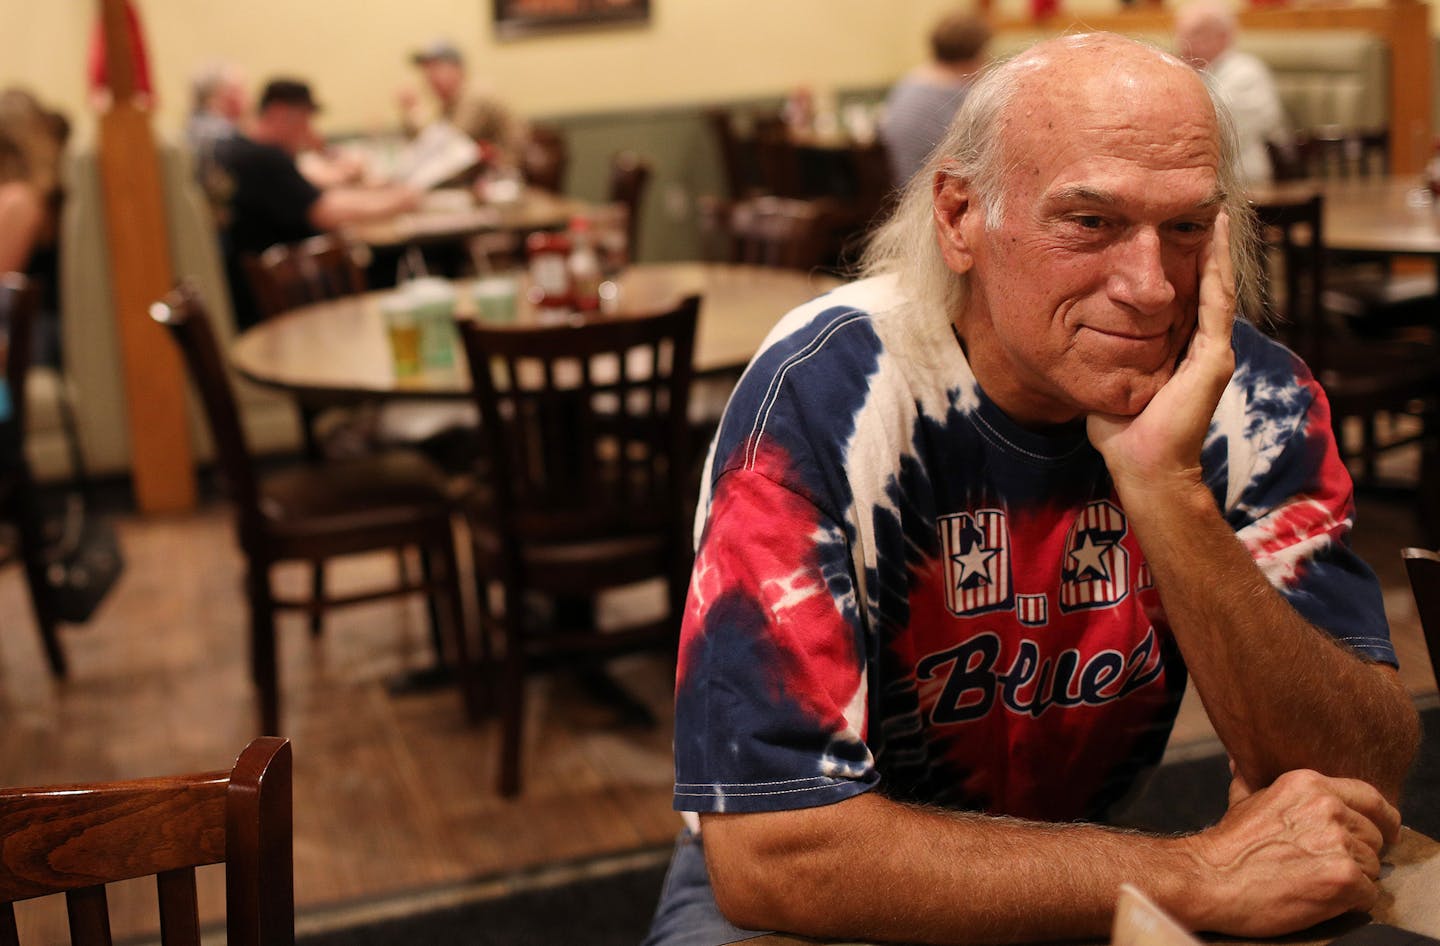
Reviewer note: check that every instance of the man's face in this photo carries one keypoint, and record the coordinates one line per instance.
(294, 129)
(1085, 295)
(1200, 40)
(443, 77)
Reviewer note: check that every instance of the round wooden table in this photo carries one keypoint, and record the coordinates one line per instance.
(338, 350)
(1391, 215)
(442, 220)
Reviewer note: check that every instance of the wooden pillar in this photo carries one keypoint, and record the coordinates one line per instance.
(139, 252)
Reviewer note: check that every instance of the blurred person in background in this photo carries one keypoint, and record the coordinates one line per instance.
(32, 140)
(920, 106)
(473, 111)
(1205, 33)
(271, 201)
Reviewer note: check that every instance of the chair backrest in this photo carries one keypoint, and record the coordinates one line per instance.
(185, 316)
(586, 425)
(545, 158)
(734, 161)
(74, 839)
(629, 176)
(19, 297)
(779, 231)
(289, 275)
(1423, 567)
(777, 160)
(1332, 152)
(1292, 239)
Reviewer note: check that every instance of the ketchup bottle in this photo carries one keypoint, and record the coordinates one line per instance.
(549, 256)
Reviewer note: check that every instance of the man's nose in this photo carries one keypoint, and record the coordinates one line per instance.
(1139, 278)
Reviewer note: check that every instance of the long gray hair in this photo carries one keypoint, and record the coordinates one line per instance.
(973, 150)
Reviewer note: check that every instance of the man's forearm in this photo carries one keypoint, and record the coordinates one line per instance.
(888, 871)
(1282, 694)
(1282, 859)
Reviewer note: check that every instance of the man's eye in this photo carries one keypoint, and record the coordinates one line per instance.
(1188, 227)
(1090, 221)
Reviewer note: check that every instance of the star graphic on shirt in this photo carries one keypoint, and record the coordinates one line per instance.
(974, 564)
(1089, 554)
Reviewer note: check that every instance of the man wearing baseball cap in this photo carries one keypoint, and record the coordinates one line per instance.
(272, 202)
(481, 116)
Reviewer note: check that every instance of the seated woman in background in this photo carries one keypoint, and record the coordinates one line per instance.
(32, 139)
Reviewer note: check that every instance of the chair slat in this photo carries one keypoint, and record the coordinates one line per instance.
(9, 935)
(89, 916)
(179, 912)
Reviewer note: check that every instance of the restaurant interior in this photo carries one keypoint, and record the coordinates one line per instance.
(452, 782)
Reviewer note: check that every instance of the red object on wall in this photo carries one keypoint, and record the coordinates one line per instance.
(99, 72)
(1040, 9)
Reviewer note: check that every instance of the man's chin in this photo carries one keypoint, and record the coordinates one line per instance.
(1126, 397)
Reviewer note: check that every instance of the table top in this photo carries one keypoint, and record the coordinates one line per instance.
(1394, 215)
(339, 350)
(1409, 899)
(451, 214)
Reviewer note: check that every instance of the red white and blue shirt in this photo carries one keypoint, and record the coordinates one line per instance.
(897, 586)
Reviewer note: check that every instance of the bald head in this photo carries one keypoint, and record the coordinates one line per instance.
(1203, 30)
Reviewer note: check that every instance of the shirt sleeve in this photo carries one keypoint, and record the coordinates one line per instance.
(771, 692)
(1294, 510)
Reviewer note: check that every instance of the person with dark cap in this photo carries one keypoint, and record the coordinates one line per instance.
(920, 106)
(272, 202)
(481, 116)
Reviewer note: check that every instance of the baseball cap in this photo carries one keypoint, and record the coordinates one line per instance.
(438, 50)
(288, 92)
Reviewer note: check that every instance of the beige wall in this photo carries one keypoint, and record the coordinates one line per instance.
(354, 51)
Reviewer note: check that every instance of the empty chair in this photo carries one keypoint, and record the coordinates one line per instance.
(290, 275)
(1423, 568)
(587, 435)
(781, 232)
(313, 512)
(74, 839)
(1362, 377)
(18, 502)
(629, 177)
(545, 158)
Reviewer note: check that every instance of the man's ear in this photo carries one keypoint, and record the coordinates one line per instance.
(954, 207)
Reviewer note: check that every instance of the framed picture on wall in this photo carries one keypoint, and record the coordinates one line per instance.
(527, 17)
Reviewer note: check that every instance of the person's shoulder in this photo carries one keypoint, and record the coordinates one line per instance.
(1268, 373)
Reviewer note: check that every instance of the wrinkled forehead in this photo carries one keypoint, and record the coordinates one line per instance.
(1078, 86)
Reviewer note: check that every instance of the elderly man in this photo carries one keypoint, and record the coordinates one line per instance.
(1205, 37)
(270, 201)
(481, 116)
(971, 522)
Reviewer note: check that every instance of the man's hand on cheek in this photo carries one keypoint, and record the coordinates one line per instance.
(1161, 445)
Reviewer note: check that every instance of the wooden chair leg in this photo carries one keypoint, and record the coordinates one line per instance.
(472, 687)
(317, 594)
(432, 607)
(263, 661)
(512, 690)
(31, 542)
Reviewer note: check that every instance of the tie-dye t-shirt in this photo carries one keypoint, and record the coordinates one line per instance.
(897, 586)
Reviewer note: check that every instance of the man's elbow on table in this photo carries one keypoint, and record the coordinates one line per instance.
(761, 868)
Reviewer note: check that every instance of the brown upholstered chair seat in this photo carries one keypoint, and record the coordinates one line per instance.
(395, 486)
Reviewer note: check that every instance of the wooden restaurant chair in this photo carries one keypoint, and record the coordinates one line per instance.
(783, 232)
(18, 501)
(545, 158)
(314, 512)
(587, 436)
(1423, 568)
(629, 177)
(75, 839)
(1362, 377)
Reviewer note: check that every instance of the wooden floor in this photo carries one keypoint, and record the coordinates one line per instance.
(394, 795)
